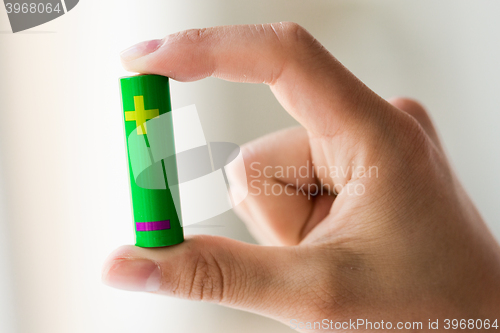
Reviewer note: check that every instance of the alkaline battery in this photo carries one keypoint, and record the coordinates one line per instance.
(155, 202)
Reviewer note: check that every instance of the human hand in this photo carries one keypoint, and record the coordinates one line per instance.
(402, 244)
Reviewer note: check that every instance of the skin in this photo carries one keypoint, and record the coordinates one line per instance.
(411, 247)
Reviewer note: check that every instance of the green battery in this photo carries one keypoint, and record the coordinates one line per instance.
(156, 219)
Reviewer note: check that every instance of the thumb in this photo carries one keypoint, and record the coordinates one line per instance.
(213, 269)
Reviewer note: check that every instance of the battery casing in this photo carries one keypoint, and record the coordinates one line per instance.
(157, 223)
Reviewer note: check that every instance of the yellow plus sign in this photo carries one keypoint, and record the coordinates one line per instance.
(140, 115)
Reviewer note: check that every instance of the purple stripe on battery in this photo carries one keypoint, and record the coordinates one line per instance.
(152, 226)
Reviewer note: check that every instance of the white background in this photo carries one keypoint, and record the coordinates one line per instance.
(64, 183)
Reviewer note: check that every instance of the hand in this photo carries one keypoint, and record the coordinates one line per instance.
(400, 241)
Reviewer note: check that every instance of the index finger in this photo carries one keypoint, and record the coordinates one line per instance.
(315, 88)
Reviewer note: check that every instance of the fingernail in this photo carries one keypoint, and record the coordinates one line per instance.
(133, 275)
(140, 49)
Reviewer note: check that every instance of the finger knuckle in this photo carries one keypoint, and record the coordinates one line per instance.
(235, 172)
(297, 41)
(207, 279)
(408, 103)
(251, 155)
(414, 109)
(295, 34)
(194, 36)
(413, 148)
(289, 27)
(414, 130)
